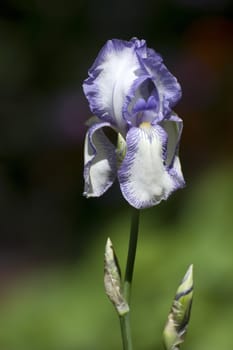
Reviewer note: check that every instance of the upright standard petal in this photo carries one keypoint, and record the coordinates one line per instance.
(111, 78)
(99, 161)
(143, 175)
(168, 88)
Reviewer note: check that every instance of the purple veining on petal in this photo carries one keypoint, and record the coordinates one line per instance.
(110, 79)
(167, 89)
(141, 189)
(123, 172)
(132, 91)
(171, 85)
(164, 139)
(167, 85)
(149, 55)
(153, 55)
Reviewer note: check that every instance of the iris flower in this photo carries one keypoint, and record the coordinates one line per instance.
(131, 91)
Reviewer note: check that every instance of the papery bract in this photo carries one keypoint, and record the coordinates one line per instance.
(130, 90)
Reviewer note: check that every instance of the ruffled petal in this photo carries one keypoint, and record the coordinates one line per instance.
(155, 84)
(99, 161)
(143, 176)
(110, 79)
(168, 88)
(173, 126)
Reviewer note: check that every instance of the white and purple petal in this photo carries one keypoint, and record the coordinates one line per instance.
(173, 126)
(100, 166)
(143, 175)
(130, 90)
(111, 78)
(168, 88)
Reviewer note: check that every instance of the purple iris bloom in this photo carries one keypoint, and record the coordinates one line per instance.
(130, 90)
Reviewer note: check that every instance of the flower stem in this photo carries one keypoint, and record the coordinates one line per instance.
(125, 319)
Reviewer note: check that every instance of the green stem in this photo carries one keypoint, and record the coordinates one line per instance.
(126, 332)
(125, 320)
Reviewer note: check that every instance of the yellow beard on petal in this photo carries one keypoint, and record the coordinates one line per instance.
(145, 125)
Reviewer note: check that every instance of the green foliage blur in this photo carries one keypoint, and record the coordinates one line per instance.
(64, 307)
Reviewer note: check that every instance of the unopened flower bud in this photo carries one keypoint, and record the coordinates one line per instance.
(112, 280)
(178, 318)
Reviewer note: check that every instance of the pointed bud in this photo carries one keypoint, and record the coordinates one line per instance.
(112, 280)
(179, 315)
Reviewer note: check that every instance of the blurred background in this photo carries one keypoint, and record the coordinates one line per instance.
(51, 238)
